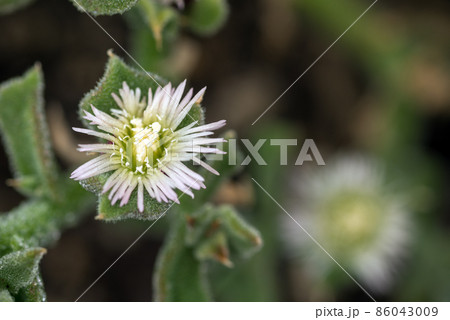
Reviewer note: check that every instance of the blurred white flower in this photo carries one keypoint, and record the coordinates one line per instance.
(348, 207)
(146, 147)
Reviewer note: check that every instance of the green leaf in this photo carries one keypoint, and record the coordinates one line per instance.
(25, 134)
(157, 17)
(147, 46)
(212, 229)
(8, 6)
(34, 292)
(152, 209)
(198, 223)
(5, 296)
(38, 222)
(214, 248)
(244, 238)
(20, 269)
(102, 7)
(179, 275)
(207, 16)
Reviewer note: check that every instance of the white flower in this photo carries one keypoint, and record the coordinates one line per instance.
(146, 149)
(348, 208)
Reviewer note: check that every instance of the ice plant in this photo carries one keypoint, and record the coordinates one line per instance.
(146, 145)
(349, 208)
(141, 159)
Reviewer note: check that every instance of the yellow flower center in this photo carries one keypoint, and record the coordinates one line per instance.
(350, 221)
(142, 146)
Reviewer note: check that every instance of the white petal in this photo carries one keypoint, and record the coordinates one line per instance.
(183, 113)
(97, 134)
(140, 197)
(205, 165)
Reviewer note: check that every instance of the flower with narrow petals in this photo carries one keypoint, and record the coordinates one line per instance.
(349, 208)
(146, 146)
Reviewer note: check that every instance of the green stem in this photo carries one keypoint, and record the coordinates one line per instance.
(39, 222)
(179, 275)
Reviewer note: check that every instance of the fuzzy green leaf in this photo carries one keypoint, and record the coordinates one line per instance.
(157, 17)
(34, 292)
(244, 238)
(8, 6)
(5, 296)
(25, 134)
(207, 16)
(198, 223)
(179, 275)
(20, 269)
(38, 222)
(214, 247)
(212, 229)
(102, 7)
(152, 209)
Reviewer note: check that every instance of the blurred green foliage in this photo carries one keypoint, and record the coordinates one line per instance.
(207, 16)
(8, 6)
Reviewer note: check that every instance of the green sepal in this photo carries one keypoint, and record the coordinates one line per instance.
(108, 212)
(195, 114)
(244, 238)
(214, 248)
(207, 16)
(35, 292)
(8, 6)
(211, 230)
(101, 7)
(197, 223)
(152, 209)
(25, 134)
(20, 269)
(116, 72)
(179, 275)
(95, 184)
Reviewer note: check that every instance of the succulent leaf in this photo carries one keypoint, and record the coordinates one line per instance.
(25, 134)
(20, 269)
(100, 7)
